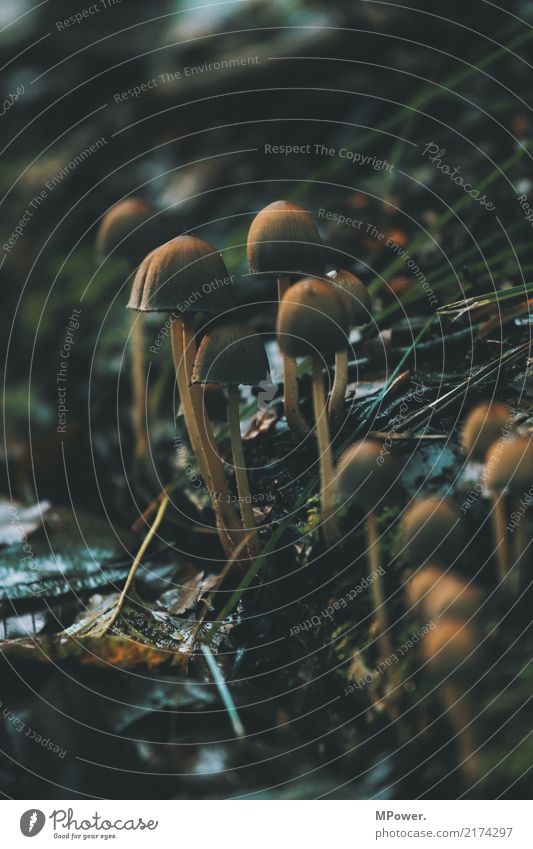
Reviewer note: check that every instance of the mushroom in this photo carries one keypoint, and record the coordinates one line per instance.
(283, 240)
(484, 425)
(357, 300)
(451, 650)
(364, 475)
(182, 277)
(509, 471)
(312, 321)
(123, 233)
(232, 353)
(431, 531)
(436, 593)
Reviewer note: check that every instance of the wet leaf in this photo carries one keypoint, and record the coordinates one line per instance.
(54, 552)
(18, 522)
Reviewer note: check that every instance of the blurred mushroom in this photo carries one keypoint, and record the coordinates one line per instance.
(484, 425)
(182, 277)
(437, 594)
(509, 470)
(353, 292)
(312, 322)
(451, 650)
(124, 232)
(364, 475)
(283, 240)
(431, 531)
(230, 354)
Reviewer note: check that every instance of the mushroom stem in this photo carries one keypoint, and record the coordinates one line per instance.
(137, 562)
(378, 596)
(180, 367)
(241, 475)
(201, 446)
(138, 387)
(460, 716)
(338, 391)
(324, 453)
(519, 547)
(294, 417)
(499, 523)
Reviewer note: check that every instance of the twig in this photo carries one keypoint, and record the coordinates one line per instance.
(136, 563)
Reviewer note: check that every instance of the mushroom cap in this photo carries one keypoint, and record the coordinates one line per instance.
(451, 648)
(431, 530)
(436, 593)
(231, 353)
(186, 274)
(484, 425)
(312, 319)
(121, 231)
(364, 474)
(284, 239)
(354, 293)
(509, 465)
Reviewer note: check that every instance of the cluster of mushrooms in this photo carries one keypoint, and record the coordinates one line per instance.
(186, 276)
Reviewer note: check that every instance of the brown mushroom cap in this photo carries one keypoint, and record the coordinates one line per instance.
(121, 231)
(284, 239)
(312, 319)
(436, 593)
(431, 530)
(485, 424)
(510, 465)
(451, 648)
(231, 353)
(364, 474)
(186, 274)
(353, 291)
